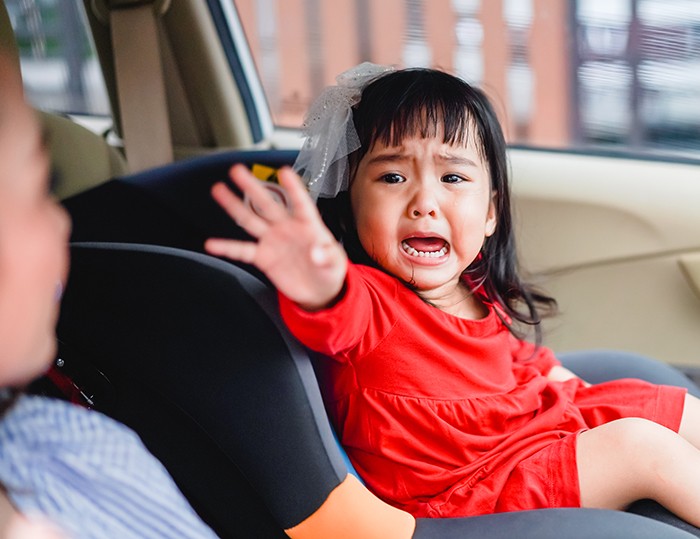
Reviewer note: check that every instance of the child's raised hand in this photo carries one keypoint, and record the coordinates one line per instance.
(294, 248)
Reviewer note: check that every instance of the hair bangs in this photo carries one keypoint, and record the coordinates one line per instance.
(422, 118)
(417, 103)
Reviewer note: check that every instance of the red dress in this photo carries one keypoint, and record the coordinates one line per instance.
(443, 416)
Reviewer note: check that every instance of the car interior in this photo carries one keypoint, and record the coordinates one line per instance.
(189, 350)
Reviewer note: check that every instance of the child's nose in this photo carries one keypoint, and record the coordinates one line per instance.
(423, 203)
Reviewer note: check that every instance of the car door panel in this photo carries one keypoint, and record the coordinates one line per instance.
(617, 242)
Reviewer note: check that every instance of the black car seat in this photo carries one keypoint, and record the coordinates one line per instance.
(168, 205)
(189, 351)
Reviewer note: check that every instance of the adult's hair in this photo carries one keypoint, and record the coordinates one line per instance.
(427, 103)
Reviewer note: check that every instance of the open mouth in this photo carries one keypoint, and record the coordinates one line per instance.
(425, 247)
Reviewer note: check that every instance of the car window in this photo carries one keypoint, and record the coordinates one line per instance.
(593, 74)
(60, 69)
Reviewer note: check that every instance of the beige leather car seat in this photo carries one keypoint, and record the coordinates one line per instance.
(80, 157)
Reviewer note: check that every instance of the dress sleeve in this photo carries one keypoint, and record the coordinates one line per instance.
(359, 316)
(540, 357)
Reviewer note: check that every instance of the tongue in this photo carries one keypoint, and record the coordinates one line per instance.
(426, 245)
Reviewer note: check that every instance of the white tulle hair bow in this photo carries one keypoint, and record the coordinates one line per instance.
(330, 133)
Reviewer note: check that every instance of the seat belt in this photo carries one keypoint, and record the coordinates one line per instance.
(145, 124)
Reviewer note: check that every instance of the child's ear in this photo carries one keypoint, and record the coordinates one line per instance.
(491, 216)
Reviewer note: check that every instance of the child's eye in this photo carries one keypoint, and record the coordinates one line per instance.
(393, 178)
(452, 178)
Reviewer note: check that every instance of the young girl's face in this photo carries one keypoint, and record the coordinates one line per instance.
(33, 242)
(423, 210)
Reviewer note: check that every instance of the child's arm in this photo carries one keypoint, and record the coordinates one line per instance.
(543, 359)
(294, 248)
(561, 374)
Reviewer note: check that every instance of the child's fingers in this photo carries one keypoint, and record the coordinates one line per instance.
(238, 211)
(299, 199)
(242, 251)
(260, 198)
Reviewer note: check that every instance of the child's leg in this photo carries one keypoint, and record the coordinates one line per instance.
(631, 459)
(690, 422)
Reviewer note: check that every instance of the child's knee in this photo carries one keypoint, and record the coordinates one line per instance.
(634, 432)
(636, 444)
(619, 461)
(631, 443)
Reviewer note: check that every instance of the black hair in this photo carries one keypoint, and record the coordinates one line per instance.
(427, 102)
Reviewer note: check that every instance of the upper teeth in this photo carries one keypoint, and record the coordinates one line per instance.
(430, 254)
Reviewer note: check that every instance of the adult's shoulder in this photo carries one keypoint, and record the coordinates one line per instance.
(35, 417)
(89, 474)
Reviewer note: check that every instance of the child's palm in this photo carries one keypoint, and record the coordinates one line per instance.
(294, 248)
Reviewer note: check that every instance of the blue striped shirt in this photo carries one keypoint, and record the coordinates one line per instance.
(90, 475)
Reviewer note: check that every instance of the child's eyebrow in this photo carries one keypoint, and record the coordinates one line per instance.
(393, 157)
(457, 160)
(387, 158)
